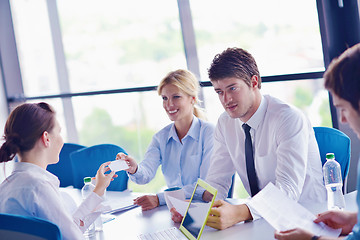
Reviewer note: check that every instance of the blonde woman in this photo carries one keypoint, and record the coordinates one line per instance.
(182, 148)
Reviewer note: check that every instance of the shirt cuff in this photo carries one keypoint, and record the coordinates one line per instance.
(255, 215)
(199, 193)
(161, 198)
(88, 211)
(133, 177)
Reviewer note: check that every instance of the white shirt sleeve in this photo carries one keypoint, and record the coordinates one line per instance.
(88, 211)
(48, 204)
(292, 156)
(221, 166)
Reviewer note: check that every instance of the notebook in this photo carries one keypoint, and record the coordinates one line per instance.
(194, 220)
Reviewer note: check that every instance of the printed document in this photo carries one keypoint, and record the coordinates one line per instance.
(283, 213)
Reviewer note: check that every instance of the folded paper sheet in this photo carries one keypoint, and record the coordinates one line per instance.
(179, 204)
(283, 213)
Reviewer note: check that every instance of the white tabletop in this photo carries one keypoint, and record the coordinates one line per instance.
(129, 224)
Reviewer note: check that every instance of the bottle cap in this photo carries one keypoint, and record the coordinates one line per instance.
(330, 156)
(87, 179)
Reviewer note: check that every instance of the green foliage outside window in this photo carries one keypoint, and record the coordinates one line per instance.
(98, 128)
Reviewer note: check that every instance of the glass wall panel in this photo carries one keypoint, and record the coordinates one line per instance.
(115, 44)
(34, 45)
(285, 39)
(127, 120)
(309, 96)
(56, 103)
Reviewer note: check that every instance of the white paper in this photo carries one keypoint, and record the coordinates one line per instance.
(118, 165)
(180, 205)
(179, 194)
(120, 205)
(283, 213)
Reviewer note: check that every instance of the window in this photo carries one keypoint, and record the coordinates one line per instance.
(35, 49)
(118, 44)
(128, 120)
(282, 39)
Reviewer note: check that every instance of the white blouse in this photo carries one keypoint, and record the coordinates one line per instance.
(32, 191)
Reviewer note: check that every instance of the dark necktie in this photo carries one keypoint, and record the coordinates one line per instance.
(250, 165)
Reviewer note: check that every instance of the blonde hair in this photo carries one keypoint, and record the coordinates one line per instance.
(186, 82)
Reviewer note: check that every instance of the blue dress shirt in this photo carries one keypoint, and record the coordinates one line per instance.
(355, 234)
(182, 162)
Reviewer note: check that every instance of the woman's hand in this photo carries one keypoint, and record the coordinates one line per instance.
(103, 180)
(147, 202)
(129, 161)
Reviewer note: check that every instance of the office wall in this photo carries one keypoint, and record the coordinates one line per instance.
(3, 117)
(3, 108)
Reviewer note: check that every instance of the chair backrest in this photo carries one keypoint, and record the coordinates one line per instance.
(85, 163)
(231, 190)
(63, 169)
(332, 140)
(17, 227)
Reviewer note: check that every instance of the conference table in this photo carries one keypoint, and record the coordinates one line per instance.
(128, 224)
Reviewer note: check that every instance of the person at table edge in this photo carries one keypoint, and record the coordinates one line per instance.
(342, 79)
(285, 151)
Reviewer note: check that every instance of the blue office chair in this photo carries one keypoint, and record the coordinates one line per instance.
(332, 140)
(63, 169)
(85, 163)
(231, 190)
(18, 227)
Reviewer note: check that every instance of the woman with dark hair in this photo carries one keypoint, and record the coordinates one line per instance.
(33, 133)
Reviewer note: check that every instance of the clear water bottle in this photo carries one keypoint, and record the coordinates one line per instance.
(87, 189)
(333, 183)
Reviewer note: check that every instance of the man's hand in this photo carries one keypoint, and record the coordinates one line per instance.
(207, 196)
(293, 234)
(338, 219)
(147, 202)
(224, 215)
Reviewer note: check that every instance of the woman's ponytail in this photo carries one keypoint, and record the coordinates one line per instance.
(9, 149)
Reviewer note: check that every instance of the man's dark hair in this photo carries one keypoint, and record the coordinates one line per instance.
(343, 76)
(234, 62)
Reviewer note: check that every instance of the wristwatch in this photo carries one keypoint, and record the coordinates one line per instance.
(315, 237)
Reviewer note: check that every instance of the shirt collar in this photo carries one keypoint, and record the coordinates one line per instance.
(36, 171)
(259, 115)
(193, 131)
